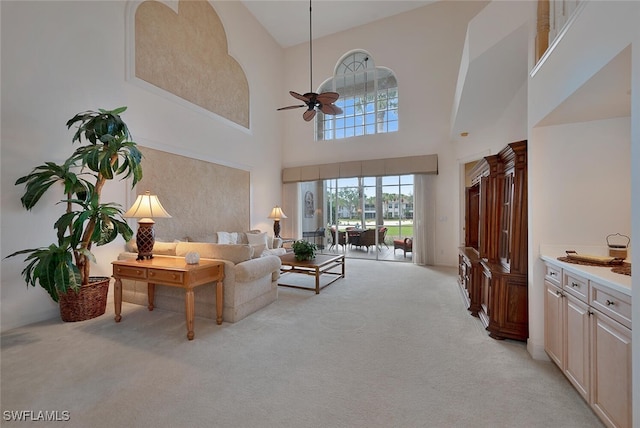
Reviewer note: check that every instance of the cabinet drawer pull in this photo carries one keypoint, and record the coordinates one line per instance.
(610, 302)
(575, 284)
(552, 273)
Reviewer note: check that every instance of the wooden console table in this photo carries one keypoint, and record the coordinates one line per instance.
(174, 272)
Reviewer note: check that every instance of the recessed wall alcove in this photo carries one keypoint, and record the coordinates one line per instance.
(180, 50)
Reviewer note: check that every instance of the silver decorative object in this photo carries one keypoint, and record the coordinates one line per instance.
(192, 258)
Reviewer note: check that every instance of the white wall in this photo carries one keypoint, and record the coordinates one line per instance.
(579, 192)
(423, 47)
(585, 214)
(57, 61)
(582, 182)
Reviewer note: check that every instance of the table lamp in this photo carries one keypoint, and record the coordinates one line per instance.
(276, 215)
(146, 207)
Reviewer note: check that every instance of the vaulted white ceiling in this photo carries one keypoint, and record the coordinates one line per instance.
(493, 77)
(288, 20)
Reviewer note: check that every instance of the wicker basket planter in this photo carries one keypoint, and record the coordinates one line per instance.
(89, 302)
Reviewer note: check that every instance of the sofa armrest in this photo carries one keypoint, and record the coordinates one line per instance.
(274, 252)
(257, 268)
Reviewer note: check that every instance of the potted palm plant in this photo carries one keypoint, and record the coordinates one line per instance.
(63, 268)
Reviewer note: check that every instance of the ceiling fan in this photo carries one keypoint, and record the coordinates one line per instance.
(313, 101)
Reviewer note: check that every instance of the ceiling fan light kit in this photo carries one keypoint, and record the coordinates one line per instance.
(313, 101)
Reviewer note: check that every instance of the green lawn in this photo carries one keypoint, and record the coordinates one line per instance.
(395, 231)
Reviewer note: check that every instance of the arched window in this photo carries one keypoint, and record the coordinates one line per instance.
(368, 99)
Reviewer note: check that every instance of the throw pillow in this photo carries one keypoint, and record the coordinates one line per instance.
(258, 239)
(165, 248)
(227, 238)
(257, 232)
(258, 250)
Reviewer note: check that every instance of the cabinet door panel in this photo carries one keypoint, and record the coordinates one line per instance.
(577, 344)
(472, 217)
(553, 324)
(611, 354)
(485, 297)
(506, 217)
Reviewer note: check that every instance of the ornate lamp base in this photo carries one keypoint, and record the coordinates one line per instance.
(276, 228)
(145, 238)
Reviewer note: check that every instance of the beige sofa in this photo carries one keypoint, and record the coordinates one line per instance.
(250, 283)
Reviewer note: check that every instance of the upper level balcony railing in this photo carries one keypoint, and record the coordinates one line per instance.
(554, 17)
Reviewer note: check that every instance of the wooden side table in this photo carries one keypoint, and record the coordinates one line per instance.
(174, 272)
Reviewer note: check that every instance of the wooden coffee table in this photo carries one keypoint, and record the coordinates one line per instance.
(172, 271)
(322, 264)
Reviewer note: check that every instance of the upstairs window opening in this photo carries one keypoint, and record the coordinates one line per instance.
(368, 99)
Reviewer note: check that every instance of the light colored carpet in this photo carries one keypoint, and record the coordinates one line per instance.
(391, 345)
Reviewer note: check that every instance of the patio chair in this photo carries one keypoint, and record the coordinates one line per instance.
(382, 234)
(405, 245)
(354, 236)
(341, 240)
(366, 238)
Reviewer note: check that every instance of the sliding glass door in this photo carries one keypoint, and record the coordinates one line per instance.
(365, 214)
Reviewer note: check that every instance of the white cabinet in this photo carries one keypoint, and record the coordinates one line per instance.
(576, 338)
(588, 335)
(610, 370)
(554, 316)
(553, 323)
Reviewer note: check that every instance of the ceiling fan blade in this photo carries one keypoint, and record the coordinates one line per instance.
(312, 100)
(308, 115)
(305, 97)
(327, 97)
(290, 107)
(330, 109)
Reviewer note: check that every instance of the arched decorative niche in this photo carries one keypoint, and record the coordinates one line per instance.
(180, 48)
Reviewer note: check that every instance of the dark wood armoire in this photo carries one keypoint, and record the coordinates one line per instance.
(492, 270)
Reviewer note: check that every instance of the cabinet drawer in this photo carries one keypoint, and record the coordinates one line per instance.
(611, 303)
(165, 277)
(129, 272)
(553, 274)
(576, 285)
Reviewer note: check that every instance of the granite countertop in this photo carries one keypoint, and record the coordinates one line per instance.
(600, 274)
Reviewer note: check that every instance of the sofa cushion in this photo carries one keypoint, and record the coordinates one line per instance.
(236, 253)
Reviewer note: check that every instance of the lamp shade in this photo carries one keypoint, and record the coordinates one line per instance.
(147, 206)
(277, 213)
